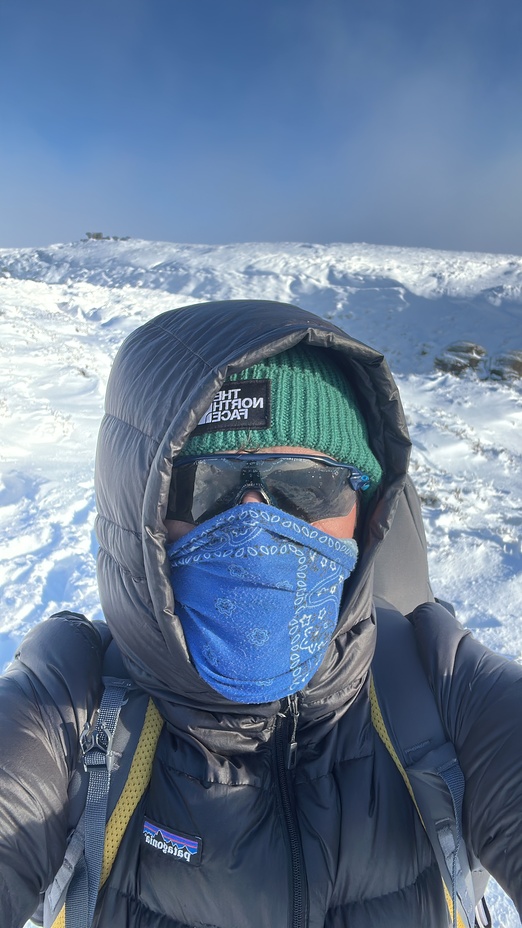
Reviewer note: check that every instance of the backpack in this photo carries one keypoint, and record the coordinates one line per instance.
(416, 742)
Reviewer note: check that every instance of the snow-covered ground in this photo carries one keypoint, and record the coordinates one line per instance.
(65, 309)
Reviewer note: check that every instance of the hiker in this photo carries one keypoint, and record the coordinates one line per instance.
(250, 463)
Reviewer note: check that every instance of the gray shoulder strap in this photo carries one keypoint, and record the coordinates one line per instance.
(411, 719)
(78, 879)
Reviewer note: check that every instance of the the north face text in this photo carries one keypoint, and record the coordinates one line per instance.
(240, 404)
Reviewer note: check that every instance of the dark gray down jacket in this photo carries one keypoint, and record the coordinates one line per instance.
(335, 842)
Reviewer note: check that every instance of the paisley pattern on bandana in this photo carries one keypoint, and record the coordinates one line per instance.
(257, 592)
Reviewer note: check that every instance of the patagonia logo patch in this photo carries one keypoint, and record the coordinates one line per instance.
(240, 404)
(172, 843)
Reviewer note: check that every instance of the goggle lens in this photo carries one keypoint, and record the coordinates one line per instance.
(306, 486)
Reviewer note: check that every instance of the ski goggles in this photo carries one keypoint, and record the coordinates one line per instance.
(304, 485)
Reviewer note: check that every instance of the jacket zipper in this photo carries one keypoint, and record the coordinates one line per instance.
(285, 759)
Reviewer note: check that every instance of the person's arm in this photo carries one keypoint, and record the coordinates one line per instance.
(34, 777)
(45, 698)
(480, 699)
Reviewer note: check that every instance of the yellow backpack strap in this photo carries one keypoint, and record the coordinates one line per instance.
(135, 786)
(137, 782)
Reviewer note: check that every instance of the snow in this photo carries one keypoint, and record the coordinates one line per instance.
(65, 309)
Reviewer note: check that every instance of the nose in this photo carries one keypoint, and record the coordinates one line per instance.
(252, 496)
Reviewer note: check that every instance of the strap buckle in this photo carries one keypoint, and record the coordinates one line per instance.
(96, 746)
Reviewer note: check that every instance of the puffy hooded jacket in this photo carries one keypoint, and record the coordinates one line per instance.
(334, 842)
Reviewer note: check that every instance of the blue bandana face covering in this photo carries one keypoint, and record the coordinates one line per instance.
(257, 593)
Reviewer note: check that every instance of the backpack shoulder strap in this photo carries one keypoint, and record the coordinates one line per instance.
(135, 786)
(71, 899)
(406, 718)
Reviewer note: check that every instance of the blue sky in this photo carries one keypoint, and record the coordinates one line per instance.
(386, 121)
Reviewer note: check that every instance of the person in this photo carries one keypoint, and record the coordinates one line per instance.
(250, 462)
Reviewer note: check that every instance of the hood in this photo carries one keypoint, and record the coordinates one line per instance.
(162, 381)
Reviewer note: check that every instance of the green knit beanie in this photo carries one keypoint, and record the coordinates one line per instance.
(297, 398)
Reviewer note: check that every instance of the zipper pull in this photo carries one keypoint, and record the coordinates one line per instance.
(293, 712)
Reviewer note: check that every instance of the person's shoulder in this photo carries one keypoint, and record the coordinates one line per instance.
(465, 676)
(61, 639)
(64, 656)
(436, 624)
(432, 625)
(450, 649)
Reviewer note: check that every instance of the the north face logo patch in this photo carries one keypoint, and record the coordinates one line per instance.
(174, 844)
(240, 404)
